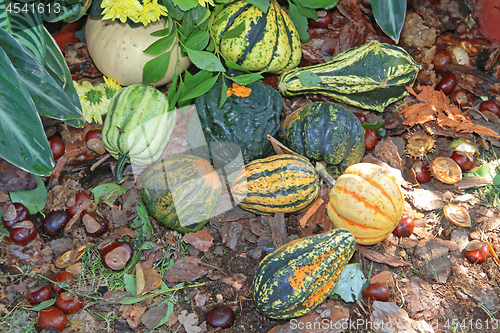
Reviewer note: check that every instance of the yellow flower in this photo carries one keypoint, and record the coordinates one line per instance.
(93, 99)
(203, 2)
(151, 12)
(121, 9)
(111, 86)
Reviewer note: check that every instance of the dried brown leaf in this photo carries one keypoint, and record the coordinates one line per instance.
(201, 240)
(382, 258)
(147, 279)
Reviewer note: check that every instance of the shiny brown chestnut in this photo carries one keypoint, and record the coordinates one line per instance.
(23, 232)
(57, 146)
(405, 226)
(76, 202)
(377, 291)
(117, 255)
(422, 171)
(490, 106)
(40, 295)
(464, 161)
(69, 303)
(60, 279)
(52, 317)
(220, 316)
(93, 141)
(324, 19)
(447, 83)
(370, 139)
(362, 118)
(477, 251)
(441, 59)
(459, 97)
(55, 221)
(95, 224)
(21, 213)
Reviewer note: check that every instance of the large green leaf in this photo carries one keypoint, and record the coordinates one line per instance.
(22, 139)
(4, 16)
(56, 66)
(27, 28)
(64, 10)
(49, 98)
(390, 16)
(317, 3)
(261, 4)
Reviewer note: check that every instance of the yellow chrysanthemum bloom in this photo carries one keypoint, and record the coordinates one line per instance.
(204, 2)
(94, 101)
(121, 9)
(151, 12)
(111, 86)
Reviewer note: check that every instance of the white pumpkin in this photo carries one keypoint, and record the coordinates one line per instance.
(117, 50)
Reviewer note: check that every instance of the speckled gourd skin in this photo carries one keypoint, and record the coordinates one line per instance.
(295, 278)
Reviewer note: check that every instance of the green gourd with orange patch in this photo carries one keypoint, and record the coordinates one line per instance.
(295, 278)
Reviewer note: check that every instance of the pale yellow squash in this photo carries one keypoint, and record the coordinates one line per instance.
(117, 50)
(368, 201)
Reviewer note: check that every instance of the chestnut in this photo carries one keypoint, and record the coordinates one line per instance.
(19, 213)
(370, 139)
(366, 3)
(69, 303)
(441, 59)
(220, 316)
(76, 202)
(324, 19)
(464, 161)
(93, 141)
(40, 295)
(362, 118)
(57, 146)
(117, 255)
(60, 279)
(447, 83)
(52, 317)
(55, 222)
(490, 106)
(376, 291)
(405, 226)
(422, 171)
(95, 224)
(477, 251)
(23, 232)
(459, 97)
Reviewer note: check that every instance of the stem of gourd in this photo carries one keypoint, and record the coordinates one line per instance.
(120, 164)
(321, 169)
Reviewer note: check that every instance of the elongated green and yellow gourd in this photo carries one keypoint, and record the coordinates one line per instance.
(295, 278)
(370, 76)
(276, 184)
(269, 41)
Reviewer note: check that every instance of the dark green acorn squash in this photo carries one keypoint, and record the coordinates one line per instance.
(295, 278)
(324, 131)
(241, 124)
(182, 192)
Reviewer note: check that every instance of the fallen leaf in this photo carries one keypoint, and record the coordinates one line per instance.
(200, 299)
(147, 279)
(185, 269)
(389, 154)
(382, 258)
(189, 321)
(133, 313)
(201, 240)
(387, 314)
(236, 281)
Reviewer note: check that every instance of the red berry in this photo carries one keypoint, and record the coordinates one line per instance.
(370, 139)
(405, 227)
(52, 317)
(377, 291)
(57, 146)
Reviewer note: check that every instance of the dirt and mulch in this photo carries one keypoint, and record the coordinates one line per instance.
(433, 287)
